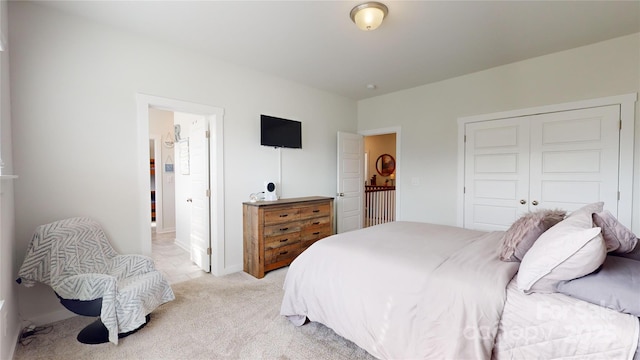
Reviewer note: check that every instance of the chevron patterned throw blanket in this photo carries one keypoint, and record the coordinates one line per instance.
(74, 257)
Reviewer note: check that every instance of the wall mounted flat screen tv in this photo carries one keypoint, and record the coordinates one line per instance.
(277, 132)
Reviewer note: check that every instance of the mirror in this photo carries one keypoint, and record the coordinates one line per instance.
(385, 165)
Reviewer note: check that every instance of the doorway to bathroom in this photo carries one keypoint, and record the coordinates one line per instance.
(183, 181)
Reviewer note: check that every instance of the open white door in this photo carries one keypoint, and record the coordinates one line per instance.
(199, 167)
(350, 198)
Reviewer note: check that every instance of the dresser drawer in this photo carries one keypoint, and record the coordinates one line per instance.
(288, 252)
(281, 229)
(307, 212)
(277, 216)
(276, 241)
(315, 233)
(319, 221)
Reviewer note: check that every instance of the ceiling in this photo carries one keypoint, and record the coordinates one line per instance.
(315, 42)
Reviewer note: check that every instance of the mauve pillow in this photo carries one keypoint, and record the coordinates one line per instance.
(633, 254)
(616, 285)
(616, 236)
(519, 238)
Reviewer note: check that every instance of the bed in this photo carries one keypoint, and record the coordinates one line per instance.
(409, 290)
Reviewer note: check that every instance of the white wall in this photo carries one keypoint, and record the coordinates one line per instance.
(74, 86)
(9, 324)
(428, 114)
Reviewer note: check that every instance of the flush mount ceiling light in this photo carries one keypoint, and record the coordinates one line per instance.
(369, 16)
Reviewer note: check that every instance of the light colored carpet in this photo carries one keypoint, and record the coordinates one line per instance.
(230, 317)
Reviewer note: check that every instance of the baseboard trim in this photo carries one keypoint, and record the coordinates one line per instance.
(165, 230)
(16, 336)
(51, 317)
(184, 245)
(231, 270)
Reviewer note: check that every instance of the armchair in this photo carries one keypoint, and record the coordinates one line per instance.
(74, 257)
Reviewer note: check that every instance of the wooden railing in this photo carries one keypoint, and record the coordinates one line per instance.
(380, 204)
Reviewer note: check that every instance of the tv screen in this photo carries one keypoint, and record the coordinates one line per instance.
(279, 132)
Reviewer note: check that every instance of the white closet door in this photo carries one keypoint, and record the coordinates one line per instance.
(574, 158)
(496, 173)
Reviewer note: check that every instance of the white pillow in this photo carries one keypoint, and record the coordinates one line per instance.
(570, 249)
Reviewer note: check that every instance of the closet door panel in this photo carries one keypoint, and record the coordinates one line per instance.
(574, 158)
(496, 173)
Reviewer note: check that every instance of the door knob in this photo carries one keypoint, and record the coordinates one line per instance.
(189, 200)
(341, 194)
(523, 201)
(534, 202)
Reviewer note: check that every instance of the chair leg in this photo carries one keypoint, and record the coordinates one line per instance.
(97, 333)
(94, 333)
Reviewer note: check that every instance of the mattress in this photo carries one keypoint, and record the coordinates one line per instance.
(545, 326)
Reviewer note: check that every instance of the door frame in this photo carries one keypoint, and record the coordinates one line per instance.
(397, 130)
(215, 116)
(625, 169)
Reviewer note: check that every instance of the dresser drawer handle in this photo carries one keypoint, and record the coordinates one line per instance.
(284, 240)
(316, 223)
(283, 252)
(316, 211)
(316, 233)
(284, 215)
(284, 229)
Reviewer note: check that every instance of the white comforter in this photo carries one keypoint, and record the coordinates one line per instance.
(404, 290)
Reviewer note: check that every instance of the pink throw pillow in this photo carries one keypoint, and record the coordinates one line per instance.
(519, 238)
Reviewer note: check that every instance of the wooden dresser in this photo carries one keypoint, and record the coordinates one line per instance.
(275, 232)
